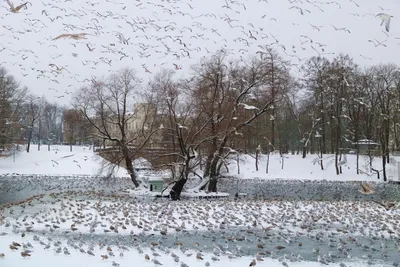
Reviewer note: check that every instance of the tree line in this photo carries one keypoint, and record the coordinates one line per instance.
(25, 117)
(226, 106)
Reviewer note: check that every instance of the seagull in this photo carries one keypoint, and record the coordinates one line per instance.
(16, 9)
(182, 127)
(75, 36)
(248, 107)
(385, 19)
(300, 9)
(366, 189)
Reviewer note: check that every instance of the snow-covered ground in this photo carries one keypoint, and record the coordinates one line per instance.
(83, 161)
(58, 161)
(295, 167)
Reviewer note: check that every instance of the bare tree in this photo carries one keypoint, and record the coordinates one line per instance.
(11, 99)
(120, 113)
(223, 95)
(32, 112)
(385, 87)
(75, 127)
(182, 127)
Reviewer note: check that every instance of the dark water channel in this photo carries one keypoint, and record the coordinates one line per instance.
(16, 188)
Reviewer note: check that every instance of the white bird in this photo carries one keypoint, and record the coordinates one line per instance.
(366, 189)
(248, 107)
(182, 127)
(385, 19)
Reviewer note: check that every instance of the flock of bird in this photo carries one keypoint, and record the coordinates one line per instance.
(59, 46)
(110, 227)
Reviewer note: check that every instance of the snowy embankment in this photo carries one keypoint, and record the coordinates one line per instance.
(83, 161)
(295, 167)
(58, 161)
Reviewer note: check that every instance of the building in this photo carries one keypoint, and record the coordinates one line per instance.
(366, 146)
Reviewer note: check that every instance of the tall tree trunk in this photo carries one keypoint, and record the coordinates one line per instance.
(39, 134)
(323, 131)
(208, 165)
(257, 152)
(129, 165)
(212, 184)
(384, 167)
(176, 190)
(29, 140)
(304, 151)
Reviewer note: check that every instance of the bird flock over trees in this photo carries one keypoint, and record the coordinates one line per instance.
(61, 44)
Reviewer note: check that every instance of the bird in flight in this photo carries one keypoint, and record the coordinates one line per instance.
(366, 189)
(300, 9)
(16, 9)
(75, 36)
(385, 19)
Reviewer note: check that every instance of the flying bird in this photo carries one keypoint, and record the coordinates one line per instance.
(366, 189)
(300, 9)
(75, 36)
(248, 107)
(385, 19)
(16, 9)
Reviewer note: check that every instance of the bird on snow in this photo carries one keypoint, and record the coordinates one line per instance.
(385, 19)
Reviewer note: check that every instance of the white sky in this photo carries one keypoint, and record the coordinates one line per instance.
(186, 26)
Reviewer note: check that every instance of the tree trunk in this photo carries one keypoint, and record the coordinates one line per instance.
(176, 190)
(336, 163)
(384, 167)
(38, 147)
(212, 184)
(129, 165)
(257, 152)
(238, 163)
(29, 140)
(208, 165)
(357, 160)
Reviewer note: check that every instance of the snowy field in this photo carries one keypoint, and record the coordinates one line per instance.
(295, 167)
(58, 161)
(83, 161)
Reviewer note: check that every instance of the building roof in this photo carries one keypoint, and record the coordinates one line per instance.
(365, 142)
(155, 179)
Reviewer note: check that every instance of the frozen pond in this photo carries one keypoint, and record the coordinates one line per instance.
(16, 188)
(329, 231)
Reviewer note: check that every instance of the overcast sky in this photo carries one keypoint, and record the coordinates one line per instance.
(154, 34)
